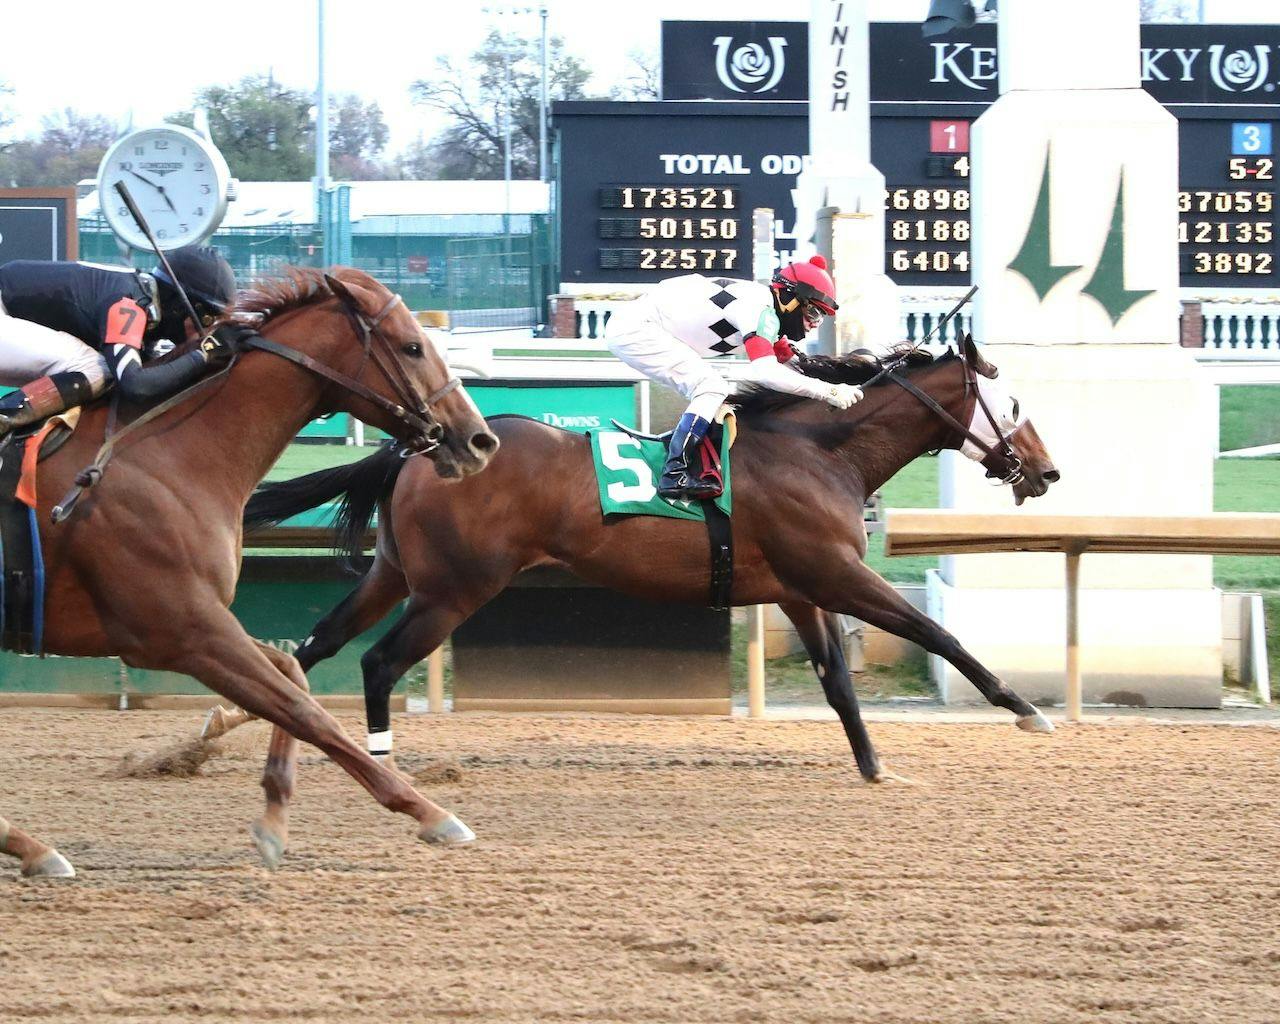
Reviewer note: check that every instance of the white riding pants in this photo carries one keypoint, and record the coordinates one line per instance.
(29, 351)
(636, 336)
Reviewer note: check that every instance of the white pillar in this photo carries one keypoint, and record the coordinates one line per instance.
(840, 175)
(1074, 249)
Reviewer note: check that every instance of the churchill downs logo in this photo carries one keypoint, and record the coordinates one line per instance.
(1239, 70)
(569, 422)
(749, 68)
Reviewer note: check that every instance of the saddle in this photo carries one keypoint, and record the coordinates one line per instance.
(719, 524)
(21, 560)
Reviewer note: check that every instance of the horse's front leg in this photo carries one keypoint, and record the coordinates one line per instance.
(860, 591)
(227, 661)
(375, 595)
(38, 860)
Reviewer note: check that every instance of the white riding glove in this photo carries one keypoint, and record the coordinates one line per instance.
(842, 395)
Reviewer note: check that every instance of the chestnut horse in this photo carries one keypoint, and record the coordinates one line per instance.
(801, 472)
(145, 568)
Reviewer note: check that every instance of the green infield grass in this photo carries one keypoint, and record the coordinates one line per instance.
(1248, 416)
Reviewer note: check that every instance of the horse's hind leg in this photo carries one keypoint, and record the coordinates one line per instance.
(375, 595)
(38, 860)
(865, 594)
(820, 633)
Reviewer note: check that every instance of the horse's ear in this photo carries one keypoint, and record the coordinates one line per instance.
(974, 358)
(352, 294)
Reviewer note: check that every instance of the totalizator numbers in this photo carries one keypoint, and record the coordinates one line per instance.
(1228, 232)
(669, 197)
(707, 216)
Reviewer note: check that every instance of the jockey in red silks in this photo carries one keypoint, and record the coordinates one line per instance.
(665, 334)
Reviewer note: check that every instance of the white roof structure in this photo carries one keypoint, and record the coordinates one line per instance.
(261, 203)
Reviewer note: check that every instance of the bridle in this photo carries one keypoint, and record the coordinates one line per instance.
(1001, 462)
(425, 431)
(412, 410)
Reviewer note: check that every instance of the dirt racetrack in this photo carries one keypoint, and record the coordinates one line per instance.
(656, 870)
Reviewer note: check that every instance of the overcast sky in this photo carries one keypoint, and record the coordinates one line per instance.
(121, 60)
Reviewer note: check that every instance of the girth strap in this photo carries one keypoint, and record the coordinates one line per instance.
(720, 536)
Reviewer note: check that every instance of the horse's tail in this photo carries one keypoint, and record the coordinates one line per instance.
(360, 487)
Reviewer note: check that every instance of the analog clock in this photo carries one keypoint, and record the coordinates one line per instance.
(178, 179)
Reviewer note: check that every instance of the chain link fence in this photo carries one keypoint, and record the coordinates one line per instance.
(467, 265)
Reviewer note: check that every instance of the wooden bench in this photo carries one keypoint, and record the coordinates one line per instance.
(948, 532)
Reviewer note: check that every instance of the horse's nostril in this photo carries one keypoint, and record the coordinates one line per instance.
(484, 443)
(1052, 476)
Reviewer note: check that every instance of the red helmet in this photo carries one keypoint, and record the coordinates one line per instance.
(811, 286)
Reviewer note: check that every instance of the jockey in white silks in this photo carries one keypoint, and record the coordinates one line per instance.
(666, 333)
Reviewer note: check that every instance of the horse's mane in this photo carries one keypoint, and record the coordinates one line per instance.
(270, 297)
(852, 368)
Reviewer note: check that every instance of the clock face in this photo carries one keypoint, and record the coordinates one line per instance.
(177, 179)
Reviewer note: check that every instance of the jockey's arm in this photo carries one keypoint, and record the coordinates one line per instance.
(122, 347)
(769, 367)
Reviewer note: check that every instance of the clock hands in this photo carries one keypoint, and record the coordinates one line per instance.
(158, 187)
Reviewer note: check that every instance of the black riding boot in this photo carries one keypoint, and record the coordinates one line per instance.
(43, 398)
(679, 482)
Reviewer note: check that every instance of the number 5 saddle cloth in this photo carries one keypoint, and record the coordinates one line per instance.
(628, 465)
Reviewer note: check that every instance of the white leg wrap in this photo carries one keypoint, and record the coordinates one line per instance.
(380, 743)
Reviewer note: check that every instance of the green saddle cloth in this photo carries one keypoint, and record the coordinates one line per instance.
(627, 473)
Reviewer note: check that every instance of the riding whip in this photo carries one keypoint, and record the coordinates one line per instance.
(901, 358)
(964, 301)
(123, 189)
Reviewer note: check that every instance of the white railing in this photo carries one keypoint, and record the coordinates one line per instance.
(1245, 329)
(594, 314)
(920, 313)
(1249, 328)
(917, 318)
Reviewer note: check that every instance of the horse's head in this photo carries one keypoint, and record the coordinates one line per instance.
(1014, 452)
(414, 396)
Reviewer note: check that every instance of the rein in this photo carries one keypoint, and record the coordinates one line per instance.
(92, 473)
(427, 430)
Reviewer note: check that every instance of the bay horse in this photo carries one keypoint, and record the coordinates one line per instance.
(801, 472)
(145, 568)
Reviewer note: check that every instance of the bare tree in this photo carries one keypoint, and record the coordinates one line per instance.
(644, 78)
(69, 148)
(6, 118)
(1170, 10)
(474, 98)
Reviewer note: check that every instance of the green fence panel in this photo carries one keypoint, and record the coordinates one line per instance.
(336, 426)
(579, 406)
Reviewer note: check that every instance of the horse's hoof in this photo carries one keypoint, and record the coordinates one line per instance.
(884, 775)
(1035, 723)
(450, 832)
(215, 723)
(269, 843)
(50, 865)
